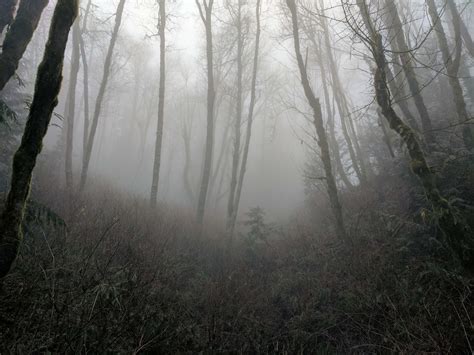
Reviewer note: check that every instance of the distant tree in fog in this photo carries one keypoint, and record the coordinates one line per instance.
(205, 12)
(100, 96)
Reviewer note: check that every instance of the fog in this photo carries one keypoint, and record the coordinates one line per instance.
(236, 176)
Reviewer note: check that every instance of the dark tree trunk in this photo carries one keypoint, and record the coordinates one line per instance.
(18, 36)
(48, 84)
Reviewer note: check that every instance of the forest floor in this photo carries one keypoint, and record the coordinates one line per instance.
(117, 277)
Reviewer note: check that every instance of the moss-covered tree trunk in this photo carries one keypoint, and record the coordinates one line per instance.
(45, 99)
(18, 36)
(456, 231)
(319, 125)
(7, 12)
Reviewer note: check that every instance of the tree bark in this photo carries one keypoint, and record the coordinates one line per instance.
(18, 36)
(318, 123)
(161, 105)
(71, 106)
(452, 63)
(456, 231)
(100, 96)
(205, 12)
(7, 12)
(48, 84)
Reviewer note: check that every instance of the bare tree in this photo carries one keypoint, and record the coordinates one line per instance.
(452, 64)
(205, 12)
(405, 55)
(18, 37)
(319, 125)
(48, 84)
(161, 104)
(100, 96)
(250, 117)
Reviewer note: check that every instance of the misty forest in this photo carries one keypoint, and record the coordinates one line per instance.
(237, 176)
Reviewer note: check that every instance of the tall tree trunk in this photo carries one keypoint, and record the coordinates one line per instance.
(452, 68)
(161, 106)
(101, 94)
(250, 117)
(48, 84)
(404, 54)
(18, 36)
(205, 12)
(318, 123)
(7, 12)
(85, 80)
(464, 32)
(457, 232)
(237, 122)
(71, 106)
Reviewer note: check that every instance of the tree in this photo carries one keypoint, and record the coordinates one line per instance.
(71, 103)
(452, 64)
(161, 104)
(238, 116)
(205, 12)
(456, 231)
(48, 84)
(250, 117)
(18, 37)
(319, 125)
(100, 96)
(7, 12)
(405, 55)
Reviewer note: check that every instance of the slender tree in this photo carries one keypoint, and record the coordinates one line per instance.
(45, 98)
(250, 118)
(238, 117)
(71, 103)
(85, 78)
(161, 104)
(319, 125)
(18, 36)
(100, 96)
(205, 12)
